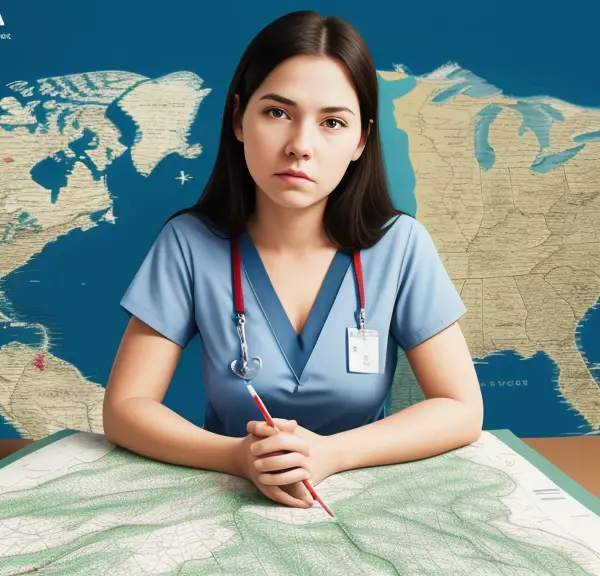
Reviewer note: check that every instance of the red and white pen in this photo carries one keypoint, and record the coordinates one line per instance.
(269, 421)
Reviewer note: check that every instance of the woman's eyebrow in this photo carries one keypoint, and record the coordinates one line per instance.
(288, 102)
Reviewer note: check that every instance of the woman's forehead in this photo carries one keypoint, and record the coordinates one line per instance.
(310, 82)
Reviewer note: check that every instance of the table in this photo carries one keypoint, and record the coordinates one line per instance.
(576, 456)
(10, 446)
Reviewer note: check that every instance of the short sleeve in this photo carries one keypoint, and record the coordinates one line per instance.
(427, 301)
(162, 292)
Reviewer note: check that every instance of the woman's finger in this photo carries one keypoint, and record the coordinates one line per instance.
(281, 442)
(285, 425)
(264, 430)
(285, 477)
(281, 461)
(292, 498)
(298, 490)
(261, 429)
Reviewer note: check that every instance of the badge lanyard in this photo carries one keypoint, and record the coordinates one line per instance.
(363, 344)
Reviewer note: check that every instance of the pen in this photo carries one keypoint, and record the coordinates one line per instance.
(269, 421)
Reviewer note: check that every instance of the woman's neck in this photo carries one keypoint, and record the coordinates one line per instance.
(288, 231)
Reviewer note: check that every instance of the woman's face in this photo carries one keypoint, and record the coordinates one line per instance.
(304, 117)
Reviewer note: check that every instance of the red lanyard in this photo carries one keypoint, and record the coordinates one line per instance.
(238, 293)
(361, 287)
(236, 264)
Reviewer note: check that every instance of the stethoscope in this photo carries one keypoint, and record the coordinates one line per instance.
(246, 367)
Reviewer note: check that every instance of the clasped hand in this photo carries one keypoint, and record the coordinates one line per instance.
(277, 461)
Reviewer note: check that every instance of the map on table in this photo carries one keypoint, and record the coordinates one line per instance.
(76, 504)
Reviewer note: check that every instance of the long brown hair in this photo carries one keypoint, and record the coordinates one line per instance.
(360, 206)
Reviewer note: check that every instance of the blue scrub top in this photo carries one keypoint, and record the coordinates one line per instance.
(184, 287)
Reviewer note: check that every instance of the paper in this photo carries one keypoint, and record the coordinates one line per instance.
(80, 506)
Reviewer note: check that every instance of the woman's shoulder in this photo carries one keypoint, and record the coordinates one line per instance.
(193, 230)
(406, 240)
(399, 232)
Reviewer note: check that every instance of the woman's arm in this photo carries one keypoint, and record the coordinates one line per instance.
(451, 415)
(135, 418)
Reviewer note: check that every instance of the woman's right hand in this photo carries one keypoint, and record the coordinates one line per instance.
(294, 494)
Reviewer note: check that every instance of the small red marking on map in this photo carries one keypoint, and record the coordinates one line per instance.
(8, 159)
(40, 362)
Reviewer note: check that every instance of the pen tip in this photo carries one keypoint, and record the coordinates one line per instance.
(326, 508)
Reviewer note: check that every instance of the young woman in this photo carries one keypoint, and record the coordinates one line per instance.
(299, 193)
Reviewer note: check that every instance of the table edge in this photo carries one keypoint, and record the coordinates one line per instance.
(35, 446)
(550, 470)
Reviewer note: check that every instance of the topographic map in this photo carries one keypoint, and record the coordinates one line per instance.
(508, 187)
(75, 504)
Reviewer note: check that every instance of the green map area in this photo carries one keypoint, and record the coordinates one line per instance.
(81, 506)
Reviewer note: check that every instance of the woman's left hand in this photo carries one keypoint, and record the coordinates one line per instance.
(272, 446)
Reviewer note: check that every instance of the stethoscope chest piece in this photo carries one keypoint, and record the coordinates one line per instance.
(247, 370)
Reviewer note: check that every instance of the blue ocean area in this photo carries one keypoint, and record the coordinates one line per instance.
(396, 157)
(23, 334)
(587, 338)
(523, 396)
(7, 430)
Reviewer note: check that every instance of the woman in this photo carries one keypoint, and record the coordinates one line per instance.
(299, 192)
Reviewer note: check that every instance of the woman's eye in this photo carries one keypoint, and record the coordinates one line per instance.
(334, 123)
(276, 113)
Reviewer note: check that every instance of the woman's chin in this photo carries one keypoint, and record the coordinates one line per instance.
(294, 199)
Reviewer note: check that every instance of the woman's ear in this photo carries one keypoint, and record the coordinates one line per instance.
(236, 120)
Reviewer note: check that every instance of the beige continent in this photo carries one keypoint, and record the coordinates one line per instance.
(39, 402)
(522, 247)
(163, 111)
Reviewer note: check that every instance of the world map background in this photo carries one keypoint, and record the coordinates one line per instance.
(498, 155)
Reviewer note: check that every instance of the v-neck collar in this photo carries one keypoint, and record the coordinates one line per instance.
(297, 348)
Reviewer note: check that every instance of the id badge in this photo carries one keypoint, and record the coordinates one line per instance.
(363, 351)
